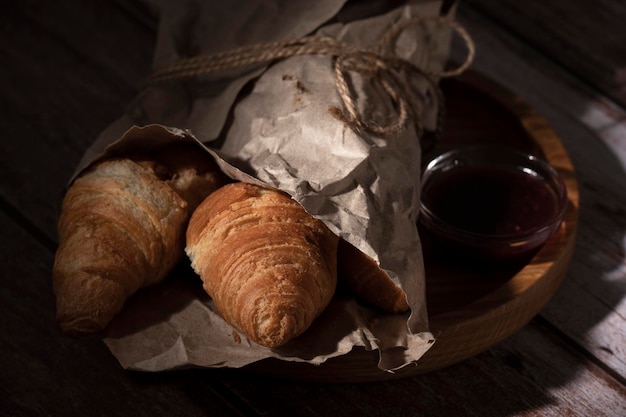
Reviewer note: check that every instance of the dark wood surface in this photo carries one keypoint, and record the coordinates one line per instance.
(69, 68)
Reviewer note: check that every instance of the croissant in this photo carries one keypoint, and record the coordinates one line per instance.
(122, 227)
(269, 266)
(362, 275)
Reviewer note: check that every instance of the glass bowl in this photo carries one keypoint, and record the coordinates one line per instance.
(491, 201)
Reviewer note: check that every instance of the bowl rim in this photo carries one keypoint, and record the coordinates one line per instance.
(532, 161)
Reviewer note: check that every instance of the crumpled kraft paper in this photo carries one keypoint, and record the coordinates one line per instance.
(281, 133)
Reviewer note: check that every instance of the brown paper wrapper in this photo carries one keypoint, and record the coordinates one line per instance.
(271, 124)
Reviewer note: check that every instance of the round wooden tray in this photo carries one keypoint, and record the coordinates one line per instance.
(472, 306)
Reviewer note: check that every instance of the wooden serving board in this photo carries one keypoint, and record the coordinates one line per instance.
(471, 306)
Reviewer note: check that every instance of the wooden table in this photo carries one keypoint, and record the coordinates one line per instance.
(69, 68)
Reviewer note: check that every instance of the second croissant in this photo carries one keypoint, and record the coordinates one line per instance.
(269, 266)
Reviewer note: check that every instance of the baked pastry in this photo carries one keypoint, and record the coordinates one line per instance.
(122, 227)
(269, 266)
(362, 275)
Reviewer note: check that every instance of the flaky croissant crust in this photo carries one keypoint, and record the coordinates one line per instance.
(269, 266)
(122, 227)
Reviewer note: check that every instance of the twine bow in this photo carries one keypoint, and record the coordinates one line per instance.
(371, 62)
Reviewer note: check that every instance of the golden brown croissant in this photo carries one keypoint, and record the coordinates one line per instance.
(122, 227)
(269, 266)
(367, 281)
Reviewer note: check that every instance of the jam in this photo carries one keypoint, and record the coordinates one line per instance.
(492, 201)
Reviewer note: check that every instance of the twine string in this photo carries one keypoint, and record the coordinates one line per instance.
(386, 70)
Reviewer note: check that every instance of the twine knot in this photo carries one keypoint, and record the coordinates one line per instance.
(386, 70)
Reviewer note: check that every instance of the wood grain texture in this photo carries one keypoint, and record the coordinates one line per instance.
(589, 307)
(561, 363)
(491, 302)
(532, 373)
(45, 373)
(68, 70)
(585, 37)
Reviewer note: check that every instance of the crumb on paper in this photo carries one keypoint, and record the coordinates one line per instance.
(301, 88)
(236, 337)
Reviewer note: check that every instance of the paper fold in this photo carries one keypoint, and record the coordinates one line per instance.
(282, 132)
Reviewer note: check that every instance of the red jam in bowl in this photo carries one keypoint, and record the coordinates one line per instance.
(492, 201)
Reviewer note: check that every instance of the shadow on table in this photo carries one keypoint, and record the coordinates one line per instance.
(520, 374)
